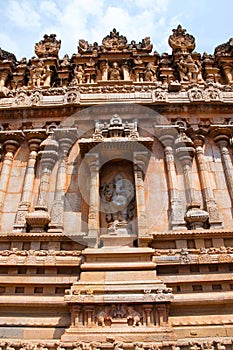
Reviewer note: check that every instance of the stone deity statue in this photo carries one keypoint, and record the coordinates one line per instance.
(117, 197)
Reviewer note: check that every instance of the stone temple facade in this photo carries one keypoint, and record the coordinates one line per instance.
(116, 195)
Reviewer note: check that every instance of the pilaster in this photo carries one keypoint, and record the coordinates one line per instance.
(92, 160)
(65, 138)
(195, 217)
(140, 160)
(39, 218)
(207, 192)
(34, 138)
(11, 142)
(221, 136)
(176, 220)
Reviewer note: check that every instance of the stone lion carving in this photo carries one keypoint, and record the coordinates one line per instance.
(133, 316)
(109, 314)
(103, 316)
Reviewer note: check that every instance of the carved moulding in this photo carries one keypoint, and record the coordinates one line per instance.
(147, 322)
(196, 344)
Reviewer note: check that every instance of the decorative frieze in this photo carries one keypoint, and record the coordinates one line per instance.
(118, 62)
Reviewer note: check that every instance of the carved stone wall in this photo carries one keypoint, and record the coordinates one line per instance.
(116, 194)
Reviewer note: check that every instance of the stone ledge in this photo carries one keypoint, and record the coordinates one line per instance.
(203, 298)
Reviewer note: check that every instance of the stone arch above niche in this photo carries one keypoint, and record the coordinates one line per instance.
(117, 202)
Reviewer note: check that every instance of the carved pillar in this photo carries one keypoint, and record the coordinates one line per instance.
(40, 218)
(65, 138)
(222, 140)
(11, 142)
(76, 318)
(140, 159)
(125, 69)
(176, 216)
(207, 192)
(92, 160)
(162, 315)
(195, 217)
(34, 139)
(104, 70)
(89, 315)
(148, 314)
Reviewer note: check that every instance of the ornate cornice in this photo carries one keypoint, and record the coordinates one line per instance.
(116, 66)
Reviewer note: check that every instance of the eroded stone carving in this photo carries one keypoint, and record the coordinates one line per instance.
(114, 42)
(95, 63)
(225, 49)
(38, 73)
(181, 42)
(48, 47)
(78, 75)
(111, 314)
(117, 197)
(189, 69)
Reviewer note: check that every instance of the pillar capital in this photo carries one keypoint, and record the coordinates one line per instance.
(197, 136)
(92, 160)
(166, 134)
(222, 140)
(184, 148)
(11, 140)
(140, 160)
(65, 137)
(221, 134)
(49, 152)
(167, 140)
(34, 138)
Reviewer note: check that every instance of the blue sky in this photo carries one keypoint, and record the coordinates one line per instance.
(24, 22)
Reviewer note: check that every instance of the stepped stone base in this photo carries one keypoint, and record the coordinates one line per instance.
(119, 296)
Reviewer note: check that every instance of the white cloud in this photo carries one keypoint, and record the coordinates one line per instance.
(49, 8)
(22, 14)
(166, 30)
(92, 20)
(8, 44)
(155, 6)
